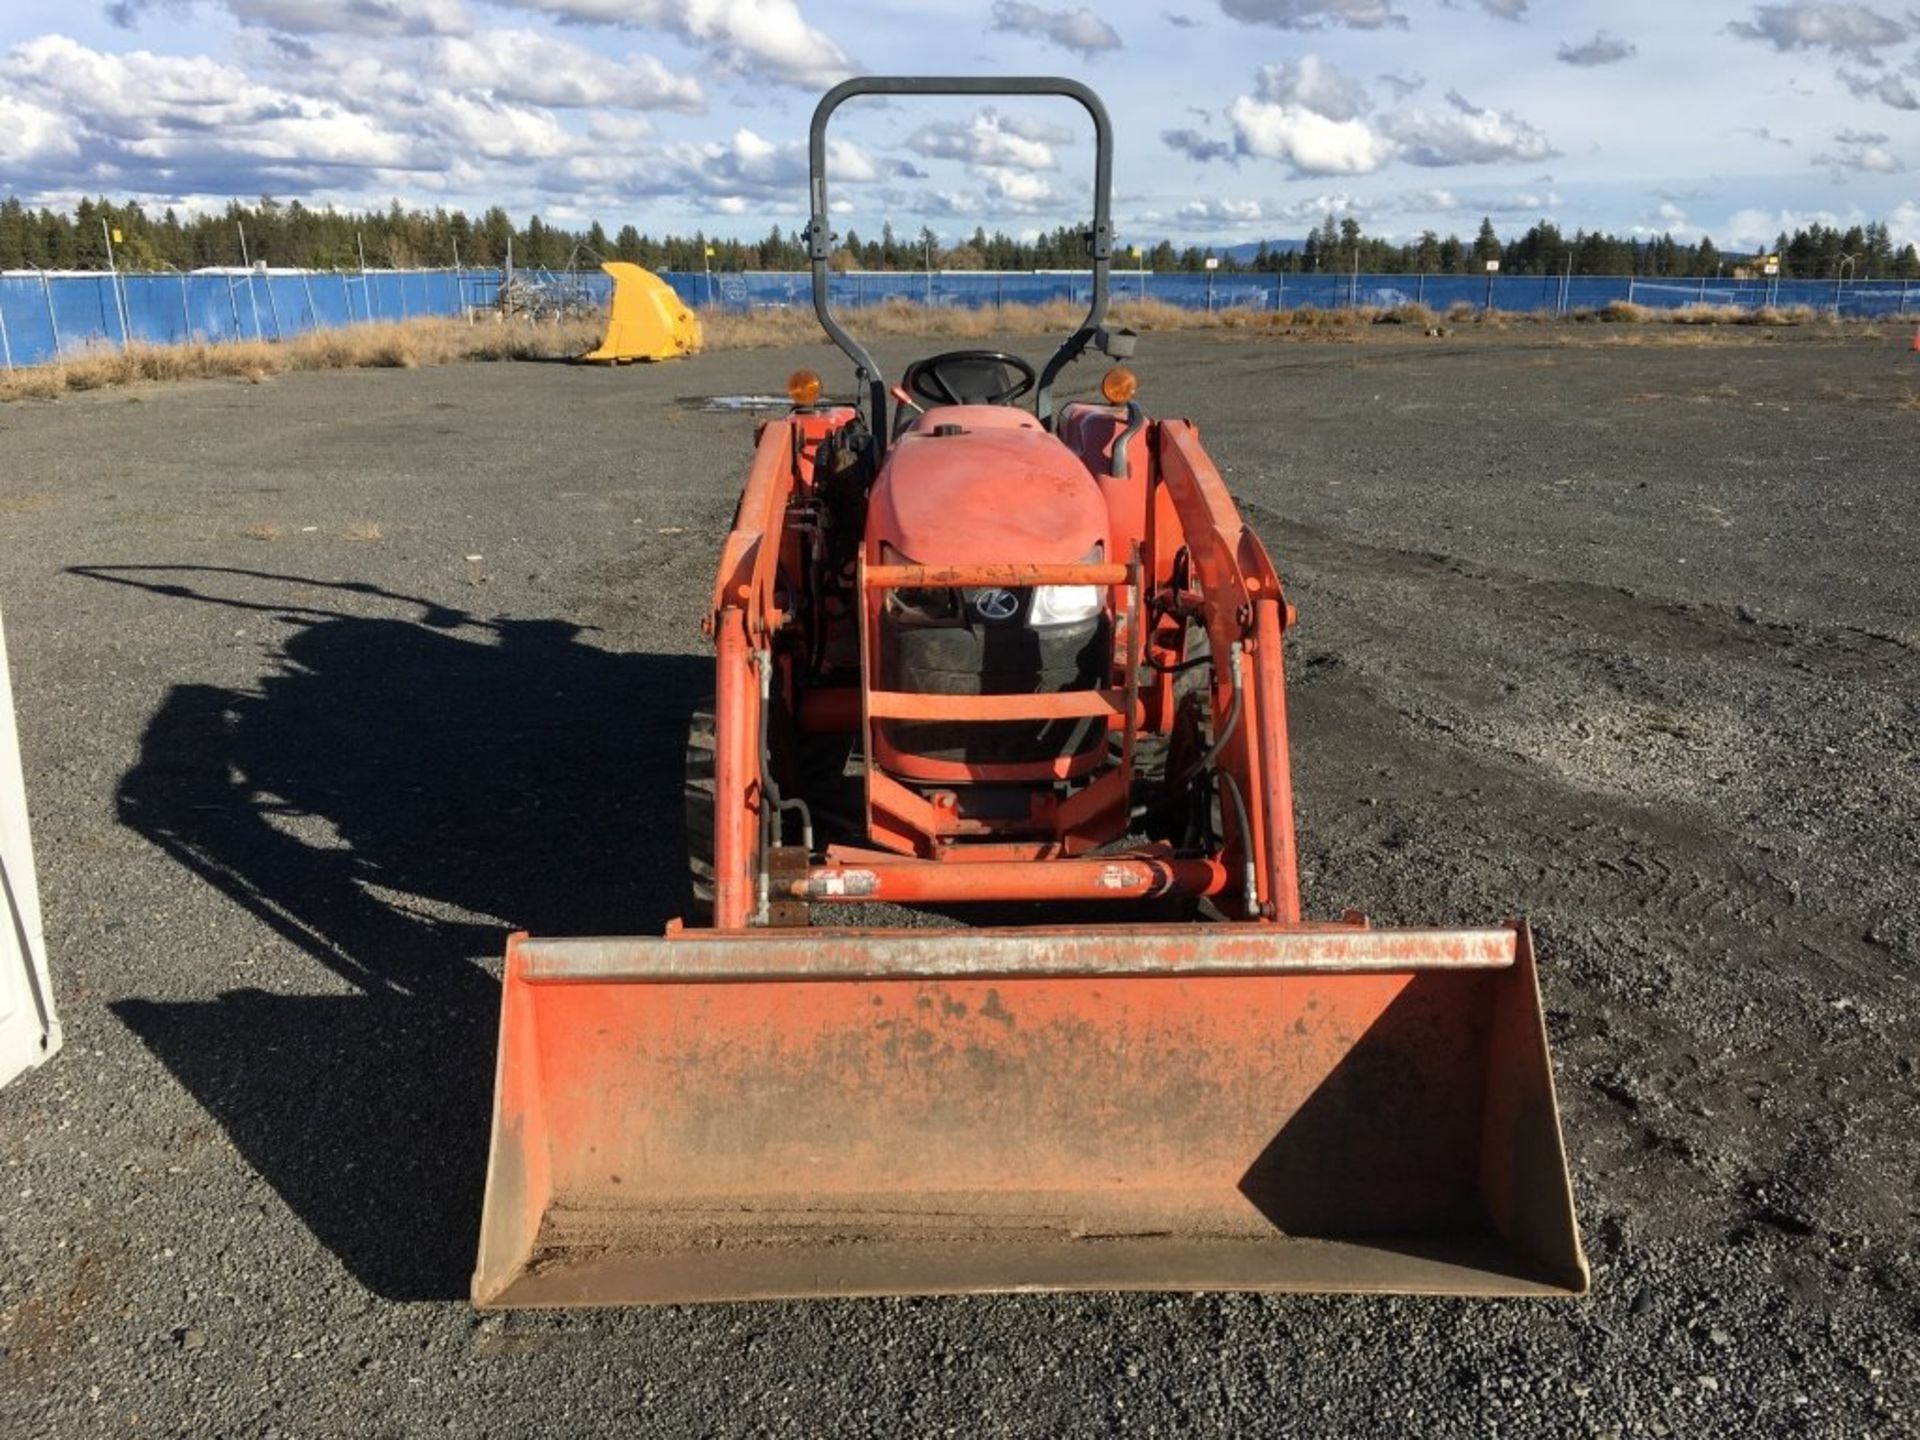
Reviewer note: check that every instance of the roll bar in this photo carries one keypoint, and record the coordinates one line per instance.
(820, 235)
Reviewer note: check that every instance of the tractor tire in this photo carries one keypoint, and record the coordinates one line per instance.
(699, 797)
(1156, 757)
(814, 767)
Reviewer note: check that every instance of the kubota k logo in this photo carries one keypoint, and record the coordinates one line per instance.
(995, 604)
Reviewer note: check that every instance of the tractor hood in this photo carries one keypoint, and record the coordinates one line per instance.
(985, 485)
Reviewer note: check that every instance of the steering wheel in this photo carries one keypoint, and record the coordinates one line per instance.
(925, 380)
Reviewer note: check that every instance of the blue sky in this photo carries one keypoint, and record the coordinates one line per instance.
(1235, 119)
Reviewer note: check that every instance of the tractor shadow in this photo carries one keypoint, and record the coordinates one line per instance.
(394, 794)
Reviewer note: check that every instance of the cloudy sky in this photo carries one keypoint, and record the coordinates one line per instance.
(1235, 119)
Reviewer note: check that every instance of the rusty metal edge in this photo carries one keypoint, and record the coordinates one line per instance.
(1138, 952)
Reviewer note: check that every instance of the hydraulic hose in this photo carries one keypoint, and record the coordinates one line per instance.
(775, 804)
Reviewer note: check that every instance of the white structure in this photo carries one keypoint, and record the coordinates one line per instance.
(29, 1031)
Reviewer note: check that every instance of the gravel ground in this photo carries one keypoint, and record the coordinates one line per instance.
(325, 682)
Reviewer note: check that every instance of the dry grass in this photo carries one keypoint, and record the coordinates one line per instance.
(447, 341)
(1627, 312)
(396, 346)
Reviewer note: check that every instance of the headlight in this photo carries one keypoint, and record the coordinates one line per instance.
(1067, 604)
(1063, 604)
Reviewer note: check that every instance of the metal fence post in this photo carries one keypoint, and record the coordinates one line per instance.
(366, 291)
(119, 300)
(253, 298)
(53, 321)
(6, 345)
(113, 294)
(186, 311)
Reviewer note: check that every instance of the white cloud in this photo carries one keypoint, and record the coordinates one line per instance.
(1227, 212)
(1465, 134)
(1666, 218)
(31, 135)
(1310, 142)
(1009, 191)
(1754, 229)
(1020, 189)
(374, 19)
(1844, 29)
(848, 163)
(1861, 151)
(1081, 31)
(1315, 118)
(1903, 224)
(541, 70)
(1602, 49)
(1317, 14)
(1442, 199)
(1028, 127)
(147, 122)
(1239, 213)
(1505, 9)
(1312, 84)
(349, 120)
(989, 138)
(767, 38)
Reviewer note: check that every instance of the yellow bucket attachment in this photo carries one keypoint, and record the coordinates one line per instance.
(646, 321)
(1215, 1107)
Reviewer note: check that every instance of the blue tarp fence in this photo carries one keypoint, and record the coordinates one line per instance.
(45, 315)
(976, 290)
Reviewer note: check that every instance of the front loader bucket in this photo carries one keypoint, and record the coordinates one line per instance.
(645, 319)
(1225, 1107)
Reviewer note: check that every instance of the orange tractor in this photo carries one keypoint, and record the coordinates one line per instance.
(1002, 980)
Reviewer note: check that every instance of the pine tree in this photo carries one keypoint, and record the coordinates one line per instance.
(1486, 244)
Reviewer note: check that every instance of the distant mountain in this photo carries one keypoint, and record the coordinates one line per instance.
(1244, 253)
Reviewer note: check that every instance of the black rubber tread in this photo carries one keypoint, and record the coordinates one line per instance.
(699, 787)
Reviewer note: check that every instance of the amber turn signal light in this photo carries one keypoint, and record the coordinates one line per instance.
(1119, 385)
(803, 388)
